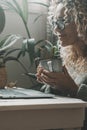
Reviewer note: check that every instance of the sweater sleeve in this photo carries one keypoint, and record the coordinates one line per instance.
(81, 80)
(82, 92)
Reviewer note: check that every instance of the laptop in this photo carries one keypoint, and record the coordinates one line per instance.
(22, 93)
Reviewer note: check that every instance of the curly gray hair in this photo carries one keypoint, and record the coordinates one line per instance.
(75, 10)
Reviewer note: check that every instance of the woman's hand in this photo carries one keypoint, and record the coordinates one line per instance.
(59, 80)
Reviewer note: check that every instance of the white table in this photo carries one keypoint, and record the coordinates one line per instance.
(41, 114)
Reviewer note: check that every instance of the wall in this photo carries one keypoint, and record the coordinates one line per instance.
(14, 25)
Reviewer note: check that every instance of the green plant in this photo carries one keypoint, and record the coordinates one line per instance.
(29, 44)
(7, 40)
(43, 48)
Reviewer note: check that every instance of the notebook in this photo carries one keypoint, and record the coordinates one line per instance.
(22, 93)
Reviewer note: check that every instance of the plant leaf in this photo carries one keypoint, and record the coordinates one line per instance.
(25, 10)
(24, 47)
(49, 43)
(9, 6)
(19, 54)
(37, 17)
(38, 42)
(20, 12)
(40, 3)
(8, 41)
(10, 58)
(3, 40)
(11, 51)
(30, 49)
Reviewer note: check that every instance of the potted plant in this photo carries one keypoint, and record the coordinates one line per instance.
(29, 44)
(5, 43)
(53, 62)
(42, 48)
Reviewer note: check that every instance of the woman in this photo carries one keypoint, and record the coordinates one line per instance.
(69, 21)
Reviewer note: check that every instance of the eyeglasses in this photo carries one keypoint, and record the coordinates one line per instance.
(60, 23)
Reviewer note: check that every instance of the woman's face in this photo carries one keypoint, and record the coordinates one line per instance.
(67, 35)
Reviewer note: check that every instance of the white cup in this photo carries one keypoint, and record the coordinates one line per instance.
(52, 65)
